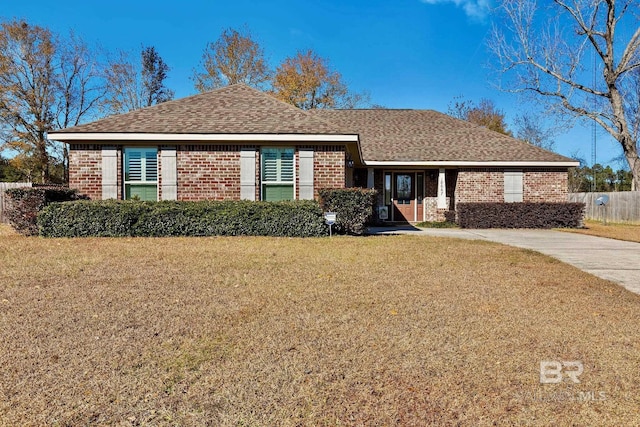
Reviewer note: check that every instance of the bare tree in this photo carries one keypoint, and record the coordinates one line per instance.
(234, 58)
(549, 53)
(27, 92)
(46, 81)
(80, 88)
(133, 85)
(531, 128)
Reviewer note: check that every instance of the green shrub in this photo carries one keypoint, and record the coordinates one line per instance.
(23, 204)
(88, 218)
(520, 215)
(353, 208)
(207, 218)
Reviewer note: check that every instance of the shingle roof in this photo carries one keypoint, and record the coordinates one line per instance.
(384, 135)
(236, 109)
(426, 135)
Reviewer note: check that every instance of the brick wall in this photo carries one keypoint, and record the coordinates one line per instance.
(213, 172)
(545, 186)
(85, 169)
(480, 185)
(208, 172)
(328, 168)
(539, 185)
(432, 212)
(205, 172)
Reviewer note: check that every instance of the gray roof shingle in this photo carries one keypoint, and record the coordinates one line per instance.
(384, 135)
(236, 109)
(427, 135)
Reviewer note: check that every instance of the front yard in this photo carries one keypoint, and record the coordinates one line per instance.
(629, 232)
(397, 330)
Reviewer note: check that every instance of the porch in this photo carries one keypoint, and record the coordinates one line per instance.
(410, 195)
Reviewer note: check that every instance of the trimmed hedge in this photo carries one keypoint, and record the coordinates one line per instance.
(23, 205)
(113, 218)
(353, 208)
(520, 215)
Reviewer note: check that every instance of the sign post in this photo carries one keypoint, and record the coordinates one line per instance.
(330, 219)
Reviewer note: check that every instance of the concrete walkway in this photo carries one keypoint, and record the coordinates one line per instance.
(609, 259)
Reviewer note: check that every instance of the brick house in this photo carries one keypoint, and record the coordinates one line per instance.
(239, 143)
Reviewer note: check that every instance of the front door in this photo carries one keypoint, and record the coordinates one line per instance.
(404, 197)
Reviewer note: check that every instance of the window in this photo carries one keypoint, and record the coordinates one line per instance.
(141, 173)
(404, 188)
(387, 189)
(278, 174)
(513, 186)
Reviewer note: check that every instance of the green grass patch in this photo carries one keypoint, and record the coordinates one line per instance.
(437, 224)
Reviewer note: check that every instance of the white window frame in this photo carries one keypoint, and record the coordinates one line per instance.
(279, 182)
(143, 169)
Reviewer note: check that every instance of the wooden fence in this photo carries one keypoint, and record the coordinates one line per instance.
(5, 186)
(623, 206)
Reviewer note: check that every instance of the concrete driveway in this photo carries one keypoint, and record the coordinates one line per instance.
(609, 259)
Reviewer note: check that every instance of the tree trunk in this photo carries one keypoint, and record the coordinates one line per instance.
(634, 165)
(631, 154)
(43, 161)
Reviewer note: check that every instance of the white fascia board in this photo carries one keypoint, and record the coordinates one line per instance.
(472, 164)
(180, 137)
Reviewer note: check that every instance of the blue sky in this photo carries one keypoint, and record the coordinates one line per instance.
(406, 53)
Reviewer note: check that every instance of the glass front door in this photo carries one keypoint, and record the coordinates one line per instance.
(404, 197)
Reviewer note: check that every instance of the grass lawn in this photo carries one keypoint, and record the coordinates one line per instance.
(394, 330)
(629, 232)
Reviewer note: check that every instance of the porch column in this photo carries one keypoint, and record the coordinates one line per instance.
(248, 174)
(169, 171)
(370, 183)
(109, 173)
(442, 189)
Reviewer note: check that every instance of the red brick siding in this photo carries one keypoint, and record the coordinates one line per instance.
(475, 186)
(328, 168)
(539, 185)
(85, 169)
(208, 172)
(205, 172)
(545, 186)
(432, 212)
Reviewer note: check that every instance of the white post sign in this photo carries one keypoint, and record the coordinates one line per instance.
(330, 219)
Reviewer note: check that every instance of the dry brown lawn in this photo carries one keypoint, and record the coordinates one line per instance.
(629, 232)
(397, 330)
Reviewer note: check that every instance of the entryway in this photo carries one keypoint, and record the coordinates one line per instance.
(408, 193)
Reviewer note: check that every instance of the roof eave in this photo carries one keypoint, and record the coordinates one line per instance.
(455, 163)
(184, 137)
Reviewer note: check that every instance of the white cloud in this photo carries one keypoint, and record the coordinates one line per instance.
(475, 9)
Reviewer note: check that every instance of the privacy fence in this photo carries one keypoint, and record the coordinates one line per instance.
(623, 206)
(5, 186)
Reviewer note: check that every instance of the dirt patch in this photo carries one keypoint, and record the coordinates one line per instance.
(398, 330)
